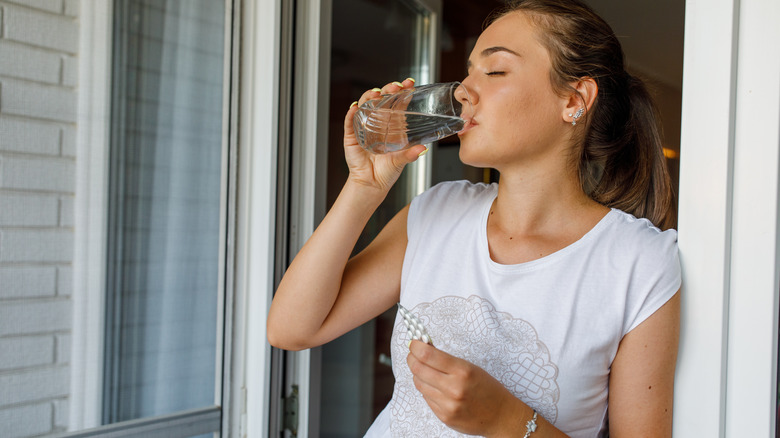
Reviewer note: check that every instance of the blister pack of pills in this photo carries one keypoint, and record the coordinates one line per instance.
(414, 326)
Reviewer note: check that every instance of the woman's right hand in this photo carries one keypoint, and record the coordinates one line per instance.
(378, 171)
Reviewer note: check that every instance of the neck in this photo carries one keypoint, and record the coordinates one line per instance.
(539, 202)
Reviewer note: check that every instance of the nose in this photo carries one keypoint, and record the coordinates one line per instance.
(466, 98)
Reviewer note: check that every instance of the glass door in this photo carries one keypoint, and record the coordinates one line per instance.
(356, 381)
(330, 55)
(346, 383)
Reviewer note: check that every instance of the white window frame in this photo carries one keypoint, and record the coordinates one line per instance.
(726, 383)
(256, 220)
(751, 385)
(309, 172)
(91, 214)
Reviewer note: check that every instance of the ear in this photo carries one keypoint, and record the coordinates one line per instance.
(581, 98)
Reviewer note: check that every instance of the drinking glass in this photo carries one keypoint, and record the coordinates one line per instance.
(412, 116)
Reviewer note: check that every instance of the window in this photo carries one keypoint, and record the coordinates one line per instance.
(164, 259)
(150, 349)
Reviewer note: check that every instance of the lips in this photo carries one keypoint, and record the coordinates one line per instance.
(470, 123)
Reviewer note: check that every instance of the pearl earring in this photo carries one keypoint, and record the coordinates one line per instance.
(576, 116)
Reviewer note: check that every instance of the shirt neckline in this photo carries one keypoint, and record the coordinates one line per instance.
(533, 264)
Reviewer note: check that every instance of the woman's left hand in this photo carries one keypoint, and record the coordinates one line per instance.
(462, 395)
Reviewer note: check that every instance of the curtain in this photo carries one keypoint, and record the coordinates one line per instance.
(166, 191)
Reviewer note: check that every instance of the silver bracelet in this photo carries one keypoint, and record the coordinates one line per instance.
(530, 427)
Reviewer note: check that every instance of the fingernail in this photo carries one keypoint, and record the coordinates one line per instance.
(411, 79)
(409, 344)
(377, 90)
(423, 152)
(399, 84)
(353, 104)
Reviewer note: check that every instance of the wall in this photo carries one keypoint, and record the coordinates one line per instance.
(38, 94)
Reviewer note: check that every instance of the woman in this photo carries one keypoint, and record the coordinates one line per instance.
(553, 310)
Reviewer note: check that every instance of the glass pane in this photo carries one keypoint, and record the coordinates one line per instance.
(166, 173)
(357, 380)
(356, 385)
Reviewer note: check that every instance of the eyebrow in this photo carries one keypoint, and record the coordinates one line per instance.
(491, 50)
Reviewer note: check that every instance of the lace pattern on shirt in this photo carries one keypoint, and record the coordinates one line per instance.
(471, 328)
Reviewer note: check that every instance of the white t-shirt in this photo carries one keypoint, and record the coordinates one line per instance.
(547, 329)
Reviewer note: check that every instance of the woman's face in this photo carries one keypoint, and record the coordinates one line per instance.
(518, 118)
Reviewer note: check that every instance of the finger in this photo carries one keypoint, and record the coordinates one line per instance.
(429, 381)
(441, 385)
(414, 153)
(444, 406)
(406, 156)
(438, 405)
(390, 88)
(394, 87)
(432, 357)
(432, 395)
(424, 373)
(373, 93)
(349, 128)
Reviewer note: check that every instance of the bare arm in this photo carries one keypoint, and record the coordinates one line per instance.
(641, 383)
(323, 294)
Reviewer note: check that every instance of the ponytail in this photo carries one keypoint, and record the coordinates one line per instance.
(621, 162)
(631, 172)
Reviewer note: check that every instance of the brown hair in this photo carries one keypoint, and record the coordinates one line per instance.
(621, 161)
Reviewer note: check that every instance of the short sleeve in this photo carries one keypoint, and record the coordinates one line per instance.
(656, 278)
(444, 200)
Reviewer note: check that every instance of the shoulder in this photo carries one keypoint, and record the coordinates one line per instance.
(628, 233)
(650, 259)
(448, 202)
(449, 192)
(636, 247)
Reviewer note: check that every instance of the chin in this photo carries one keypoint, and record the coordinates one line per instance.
(472, 153)
(470, 158)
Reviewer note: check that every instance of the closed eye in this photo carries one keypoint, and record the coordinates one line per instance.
(495, 73)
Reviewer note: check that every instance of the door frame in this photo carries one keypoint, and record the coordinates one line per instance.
(726, 381)
(308, 182)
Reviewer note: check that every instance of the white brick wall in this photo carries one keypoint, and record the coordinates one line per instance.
(40, 28)
(18, 209)
(45, 5)
(29, 63)
(16, 424)
(38, 98)
(38, 101)
(46, 174)
(20, 282)
(24, 352)
(34, 385)
(32, 137)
